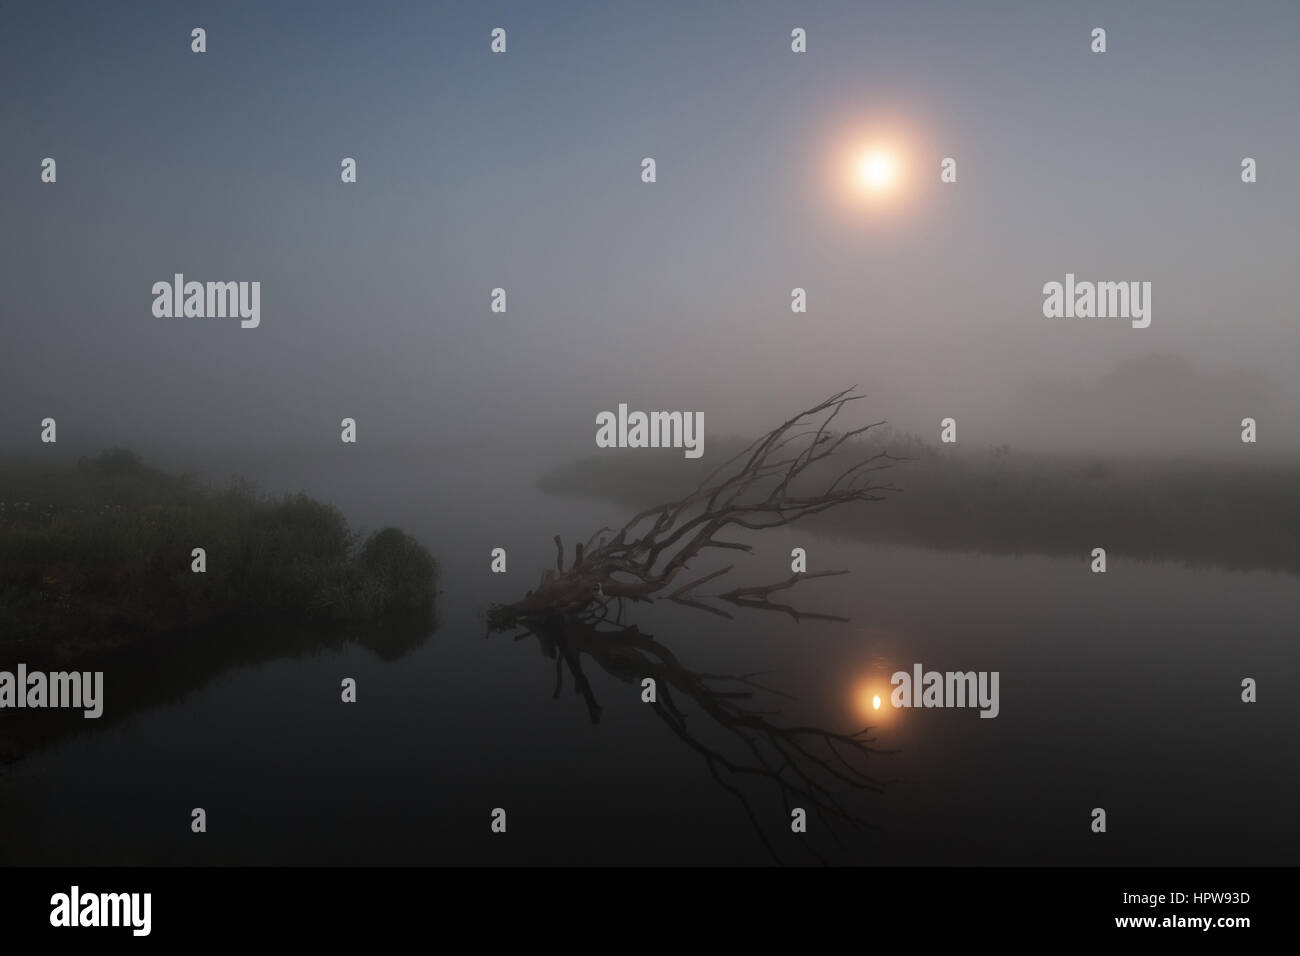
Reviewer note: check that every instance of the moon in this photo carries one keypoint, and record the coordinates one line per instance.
(870, 173)
(876, 171)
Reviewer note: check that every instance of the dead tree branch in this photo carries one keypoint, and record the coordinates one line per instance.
(768, 484)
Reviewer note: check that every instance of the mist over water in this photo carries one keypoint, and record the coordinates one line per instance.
(1119, 690)
(1112, 695)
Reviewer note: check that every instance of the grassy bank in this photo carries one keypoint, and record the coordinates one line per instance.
(98, 556)
(1239, 514)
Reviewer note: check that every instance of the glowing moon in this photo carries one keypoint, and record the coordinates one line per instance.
(872, 172)
(876, 171)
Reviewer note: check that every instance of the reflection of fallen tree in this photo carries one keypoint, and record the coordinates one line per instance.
(805, 763)
(764, 486)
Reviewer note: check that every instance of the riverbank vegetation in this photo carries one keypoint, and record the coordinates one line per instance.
(101, 555)
(1239, 512)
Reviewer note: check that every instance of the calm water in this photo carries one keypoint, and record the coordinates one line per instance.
(1119, 691)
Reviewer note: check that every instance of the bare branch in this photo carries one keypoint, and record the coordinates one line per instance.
(761, 486)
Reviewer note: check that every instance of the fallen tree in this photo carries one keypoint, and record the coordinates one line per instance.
(763, 486)
(767, 485)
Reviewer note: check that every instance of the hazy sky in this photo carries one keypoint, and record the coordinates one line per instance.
(523, 171)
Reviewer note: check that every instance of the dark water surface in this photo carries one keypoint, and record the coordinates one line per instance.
(1119, 691)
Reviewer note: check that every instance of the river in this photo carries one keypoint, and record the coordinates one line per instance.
(1119, 691)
